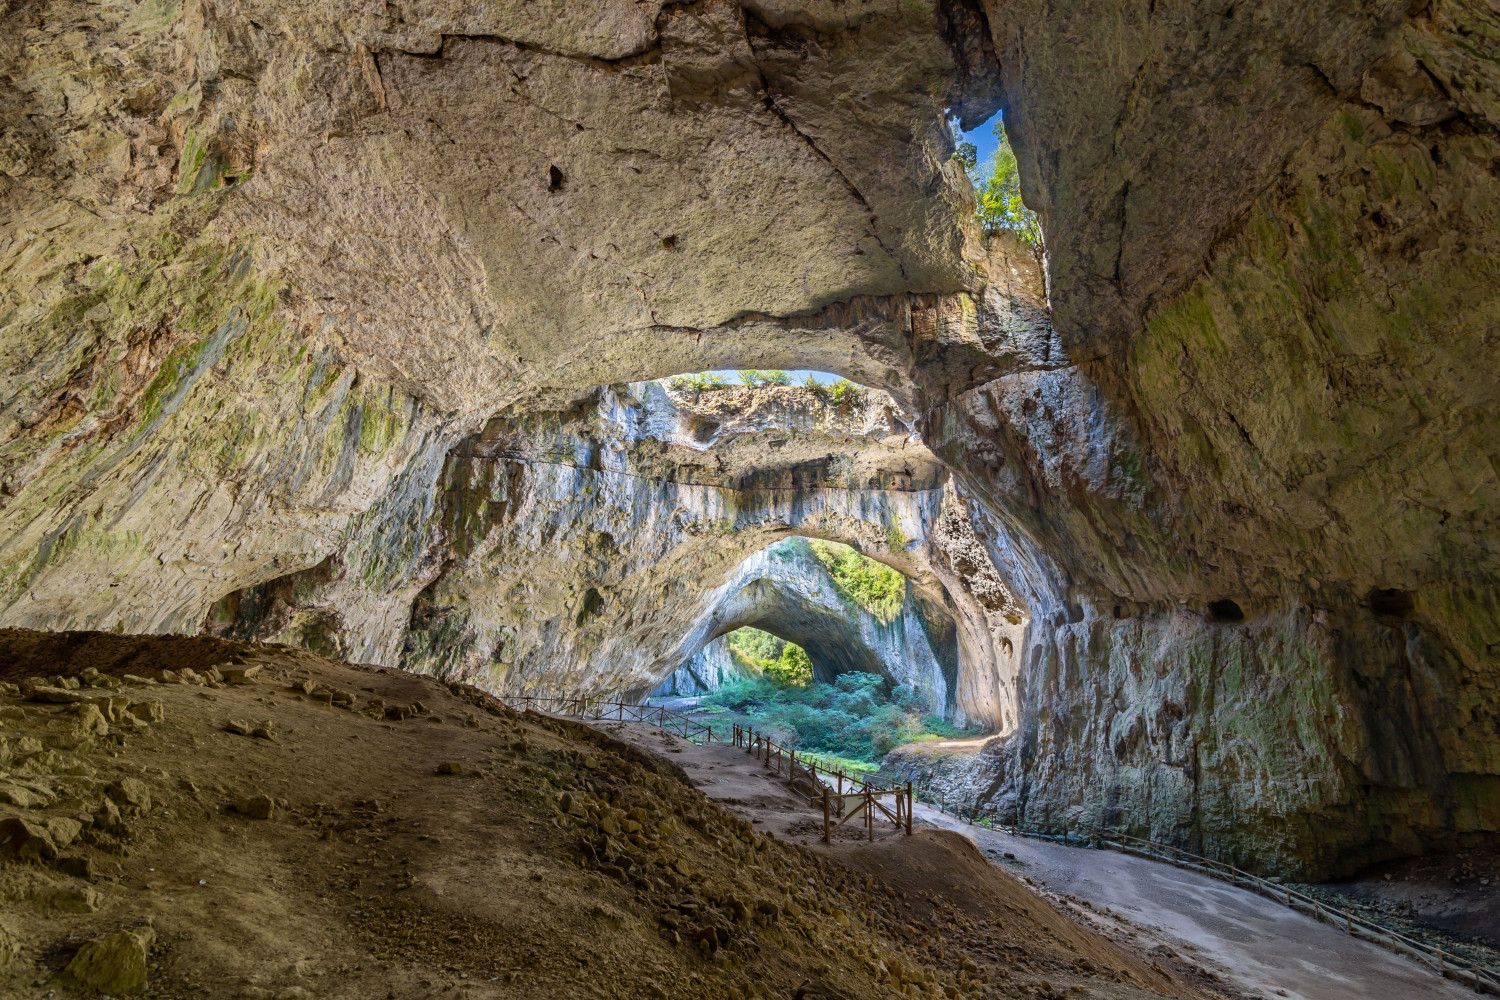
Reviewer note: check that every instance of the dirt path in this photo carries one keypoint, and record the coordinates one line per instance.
(1254, 946)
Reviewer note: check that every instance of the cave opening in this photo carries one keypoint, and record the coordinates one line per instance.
(835, 651)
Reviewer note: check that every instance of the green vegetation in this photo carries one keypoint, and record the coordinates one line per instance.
(841, 393)
(999, 194)
(878, 589)
(854, 721)
(784, 663)
(699, 381)
(768, 376)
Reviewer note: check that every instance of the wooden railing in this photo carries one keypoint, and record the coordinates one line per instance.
(588, 708)
(1481, 978)
(844, 797)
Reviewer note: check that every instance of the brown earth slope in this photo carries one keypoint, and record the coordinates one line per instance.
(386, 835)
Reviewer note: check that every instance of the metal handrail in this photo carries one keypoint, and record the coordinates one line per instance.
(1481, 978)
(1448, 965)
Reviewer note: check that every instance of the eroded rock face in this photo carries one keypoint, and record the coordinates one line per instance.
(591, 550)
(265, 266)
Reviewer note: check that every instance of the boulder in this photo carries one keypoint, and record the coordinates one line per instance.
(26, 840)
(79, 899)
(130, 793)
(149, 711)
(256, 806)
(114, 964)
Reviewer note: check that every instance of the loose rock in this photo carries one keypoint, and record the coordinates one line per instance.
(113, 964)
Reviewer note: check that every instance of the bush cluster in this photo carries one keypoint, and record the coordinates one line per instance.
(857, 717)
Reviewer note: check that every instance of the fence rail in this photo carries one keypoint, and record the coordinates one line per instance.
(1481, 978)
(843, 797)
(594, 709)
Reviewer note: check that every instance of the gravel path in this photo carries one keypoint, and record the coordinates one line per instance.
(1255, 945)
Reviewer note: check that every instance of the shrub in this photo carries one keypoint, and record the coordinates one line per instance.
(854, 718)
(768, 376)
(699, 381)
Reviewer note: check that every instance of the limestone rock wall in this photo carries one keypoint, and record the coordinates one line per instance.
(704, 672)
(594, 548)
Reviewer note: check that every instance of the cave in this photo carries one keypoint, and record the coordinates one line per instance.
(373, 350)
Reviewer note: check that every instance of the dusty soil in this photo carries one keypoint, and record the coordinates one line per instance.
(422, 840)
(1007, 929)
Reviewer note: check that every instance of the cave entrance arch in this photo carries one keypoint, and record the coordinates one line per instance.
(787, 590)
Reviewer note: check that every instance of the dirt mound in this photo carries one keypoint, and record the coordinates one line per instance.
(24, 653)
(268, 824)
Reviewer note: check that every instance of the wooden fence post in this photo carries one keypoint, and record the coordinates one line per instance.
(827, 834)
(908, 808)
(869, 813)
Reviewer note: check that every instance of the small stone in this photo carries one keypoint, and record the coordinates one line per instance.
(129, 792)
(589, 762)
(256, 806)
(450, 767)
(263, 732)
(115, 963)
(25, 840)
(64, 830)
(149, 711)
(107, 816)
(75, 900)
(78, 866)
(241, 675)
(22, 798)
(28, 745)
(237, 727)
(471, 720)
(136, 679)
(52, 693)
(10, 948)
(91, 721)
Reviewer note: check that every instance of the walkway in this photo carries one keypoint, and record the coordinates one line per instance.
(1254, 944)
(1256, 947)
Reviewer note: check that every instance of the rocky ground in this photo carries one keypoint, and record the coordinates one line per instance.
(190, 817)
(1449, 900)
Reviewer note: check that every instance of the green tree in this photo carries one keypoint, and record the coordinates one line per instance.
(999, 195)
(793, 668)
